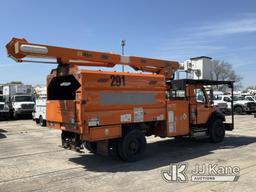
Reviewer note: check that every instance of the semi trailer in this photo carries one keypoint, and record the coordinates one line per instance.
(111, 113)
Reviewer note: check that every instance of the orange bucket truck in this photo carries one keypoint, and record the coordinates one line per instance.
(111, 113)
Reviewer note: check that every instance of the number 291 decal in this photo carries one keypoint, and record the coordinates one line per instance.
(117, 80)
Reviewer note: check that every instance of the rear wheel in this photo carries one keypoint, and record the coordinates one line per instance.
(132, 146)
(15, 115)
(217, 131)
(238, 110)
(42, 121)
(37, 121)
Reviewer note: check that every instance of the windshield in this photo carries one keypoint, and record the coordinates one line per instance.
(217, 97)
(42, 97)
(236, 98)
(23, 98)
(249, 99)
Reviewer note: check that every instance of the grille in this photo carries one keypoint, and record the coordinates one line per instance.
(27, 106)
(251, 105)
(222, 105)
(1, 107)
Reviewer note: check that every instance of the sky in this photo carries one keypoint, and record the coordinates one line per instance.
(164, 29)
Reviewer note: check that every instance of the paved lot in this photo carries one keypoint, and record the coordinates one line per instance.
(32, 160)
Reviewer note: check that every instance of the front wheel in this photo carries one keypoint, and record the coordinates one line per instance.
(238, 110)
(217, 131)
(37, 121)
(90, 146)
(15, 115)
(132, 146)
(42, 121)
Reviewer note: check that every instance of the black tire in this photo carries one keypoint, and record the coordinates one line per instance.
(15, 115)
(6, 118)
(178, 138)
(37, 121)
(217, 131)
(42, 121)
(90, 146)
(132, 146)
(238, 110)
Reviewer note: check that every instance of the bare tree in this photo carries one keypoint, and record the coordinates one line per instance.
(250, 87)
(223, 71)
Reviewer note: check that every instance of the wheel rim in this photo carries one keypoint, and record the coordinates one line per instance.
(238, 110)
(41, 120)
(133, 147)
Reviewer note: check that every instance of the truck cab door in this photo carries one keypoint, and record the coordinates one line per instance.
(202, 106)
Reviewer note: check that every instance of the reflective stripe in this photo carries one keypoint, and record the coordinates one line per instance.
(131, 98)
(33, 49)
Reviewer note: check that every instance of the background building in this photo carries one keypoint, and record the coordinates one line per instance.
(199, 68)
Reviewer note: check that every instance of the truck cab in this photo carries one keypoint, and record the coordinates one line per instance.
(199, 106)
(22, 105)
(244, 104)
(251, 98)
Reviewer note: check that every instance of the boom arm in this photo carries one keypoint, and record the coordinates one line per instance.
(21, 48)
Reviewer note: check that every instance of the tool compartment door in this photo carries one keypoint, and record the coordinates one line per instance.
(177, 118)
(62, 111)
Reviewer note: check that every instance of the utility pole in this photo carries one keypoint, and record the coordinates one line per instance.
(122, 46)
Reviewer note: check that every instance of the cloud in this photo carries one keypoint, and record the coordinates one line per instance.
(207, 39)
(211, 40)
(244, 25)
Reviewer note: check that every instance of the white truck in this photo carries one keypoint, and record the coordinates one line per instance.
(4, 109)
(241, 104)
(40, 110)
(251, 98)
(19, 99)
(221, 105)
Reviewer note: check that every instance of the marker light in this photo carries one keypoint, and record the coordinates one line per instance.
(34, 49)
